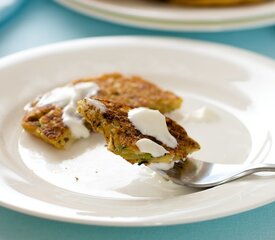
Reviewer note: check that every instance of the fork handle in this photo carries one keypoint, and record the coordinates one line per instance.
(250, 169)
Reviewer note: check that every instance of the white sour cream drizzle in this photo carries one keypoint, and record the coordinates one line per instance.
(148, 146)
(67, 98)
(97, 104)
(162, 166)
(152, 122)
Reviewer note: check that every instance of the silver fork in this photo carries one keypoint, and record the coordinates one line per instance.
(199, 174)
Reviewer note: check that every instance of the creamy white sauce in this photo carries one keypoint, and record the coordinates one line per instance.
(146, 145)
(58, 96)
(67, 98)
(74, 122)
(97, 104)
(152, 123)
(202, 114)
(161, 166)
(28, 107)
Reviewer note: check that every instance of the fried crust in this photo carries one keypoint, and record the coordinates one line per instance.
(134, 91)
(121, 136)
(46, 122)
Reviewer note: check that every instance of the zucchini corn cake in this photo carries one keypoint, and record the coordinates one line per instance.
(53, 118)
(134, 91)
(112, 120)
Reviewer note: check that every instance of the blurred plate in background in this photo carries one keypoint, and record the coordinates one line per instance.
(148, 14)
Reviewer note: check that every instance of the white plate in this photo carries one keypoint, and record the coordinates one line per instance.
(88, 184)
(165, 17)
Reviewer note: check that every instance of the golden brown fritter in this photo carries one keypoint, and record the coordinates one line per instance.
(46, 122)
(134, 91)
(121, 135)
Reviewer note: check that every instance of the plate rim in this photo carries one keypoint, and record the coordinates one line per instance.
(29, 53)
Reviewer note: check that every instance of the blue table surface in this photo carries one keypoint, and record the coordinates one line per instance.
(42, 22)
